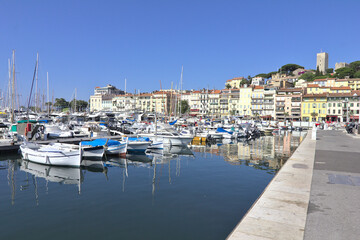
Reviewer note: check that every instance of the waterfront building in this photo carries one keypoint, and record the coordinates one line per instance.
(234, 83)
(322, 62)
(107, 90)
(144, 102)
(269, 103)
(214, 103)
(245, 101)
(102, 98)
(288, 104)
(257, 100)
(95, 102)
(106, 102)
(233, 96)
(224, 103)
(343, 106)
(195, 103)
(124, 102)
(161, 102)
(313, 107)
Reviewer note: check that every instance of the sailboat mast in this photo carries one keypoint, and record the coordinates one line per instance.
(13, 89)
(47, 93)
(181, 79)
(75, 100)
(8, 100)
(36, 83)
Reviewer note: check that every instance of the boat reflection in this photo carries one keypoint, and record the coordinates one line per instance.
(63, 175)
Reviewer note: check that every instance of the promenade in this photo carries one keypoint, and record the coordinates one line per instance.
(315, 195)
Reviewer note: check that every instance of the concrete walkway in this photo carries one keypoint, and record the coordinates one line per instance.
(287, 209)
(334, 209)
(280, 212)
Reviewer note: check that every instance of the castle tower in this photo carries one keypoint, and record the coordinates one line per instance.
(322, 62)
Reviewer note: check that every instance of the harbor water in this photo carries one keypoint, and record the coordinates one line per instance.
(200, 192)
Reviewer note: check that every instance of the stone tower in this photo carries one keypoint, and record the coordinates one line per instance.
(322, 62)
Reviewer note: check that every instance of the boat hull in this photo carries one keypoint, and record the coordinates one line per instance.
(137, 147)
(52, 156)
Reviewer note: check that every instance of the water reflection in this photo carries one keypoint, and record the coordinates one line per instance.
(266, 153)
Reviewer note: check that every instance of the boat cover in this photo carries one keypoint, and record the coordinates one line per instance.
(100, 142)
(172, 123)
(139, 139)
(223, 130)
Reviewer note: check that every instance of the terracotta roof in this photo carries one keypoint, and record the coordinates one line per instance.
(340, 88)
(312, 85)
(215, 92)
(258, 87)
(236, 78)
(196, 92)
(316, 95)
(161, 92)
(290, 90)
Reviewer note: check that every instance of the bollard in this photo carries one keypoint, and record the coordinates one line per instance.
(313, 133)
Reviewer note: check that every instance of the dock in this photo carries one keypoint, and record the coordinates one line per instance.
(315, 195)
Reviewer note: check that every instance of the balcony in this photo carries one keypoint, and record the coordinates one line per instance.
(256, 103)
(269, 103)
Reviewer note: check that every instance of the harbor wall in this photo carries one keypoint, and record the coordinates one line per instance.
(280, 212)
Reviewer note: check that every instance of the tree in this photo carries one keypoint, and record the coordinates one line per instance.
(308, 76)
(184, 106)
(243, 82)
(357, 74)
(81, 105)
(344, 72)
(263, 75)
(355, 65)
(228, 86)
(61, 103)
(289, 68)
(329, 70)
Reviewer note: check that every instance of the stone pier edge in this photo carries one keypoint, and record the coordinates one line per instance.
(280, 211)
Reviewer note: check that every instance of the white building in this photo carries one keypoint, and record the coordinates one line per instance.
(258, 81)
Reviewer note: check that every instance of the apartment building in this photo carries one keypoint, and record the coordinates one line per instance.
(313, 107)
(245, 101)
(269, 103)
(342, 107)
(257, 100)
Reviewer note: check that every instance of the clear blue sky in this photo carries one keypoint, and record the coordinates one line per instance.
(83, 44)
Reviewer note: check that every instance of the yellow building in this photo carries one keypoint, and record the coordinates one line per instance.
(245, 101)
(353, 83)
(313, 107)
(340, 90)
(234, 83)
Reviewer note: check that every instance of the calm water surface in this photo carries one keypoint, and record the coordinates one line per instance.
(200, 192)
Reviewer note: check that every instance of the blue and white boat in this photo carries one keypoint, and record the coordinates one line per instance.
(138, 144)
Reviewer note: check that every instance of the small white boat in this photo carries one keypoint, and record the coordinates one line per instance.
(117, 149)
(156, 144)
(55, 155)
(138, 145)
